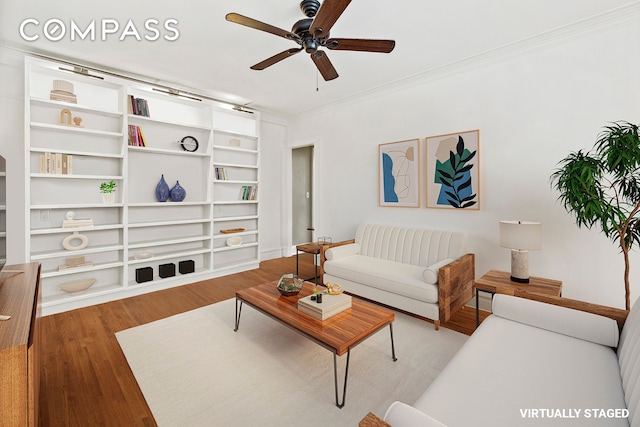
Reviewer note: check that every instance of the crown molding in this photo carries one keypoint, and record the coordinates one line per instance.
(624, 15)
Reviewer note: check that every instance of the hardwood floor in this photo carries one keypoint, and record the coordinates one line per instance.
(85, 378)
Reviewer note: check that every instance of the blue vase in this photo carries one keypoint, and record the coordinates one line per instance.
(177, 193)
(162, 190)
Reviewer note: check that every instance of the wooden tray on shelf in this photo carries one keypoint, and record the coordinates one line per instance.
(232, 230)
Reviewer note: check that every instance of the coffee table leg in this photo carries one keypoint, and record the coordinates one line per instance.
(335, 377)
(238, 313)
(393, 349)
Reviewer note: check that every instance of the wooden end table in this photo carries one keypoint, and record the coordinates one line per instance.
(499, 282)
(310, 248)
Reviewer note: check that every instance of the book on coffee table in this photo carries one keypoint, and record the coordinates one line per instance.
(330, 305)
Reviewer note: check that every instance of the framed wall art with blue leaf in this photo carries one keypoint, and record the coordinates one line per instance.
(452, 173)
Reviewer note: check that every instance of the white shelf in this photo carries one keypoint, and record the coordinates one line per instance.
(36, 256)
(70, 271)
(60, 230)
(233, 248)
(235, 218)
(164, 242)
(235, 165)
(167, 204)
(77, 153)
(75, 129)
(95, 290)
(133, 117)
(75, 107)
(150, 150)
(76, 176)
(169, 223)
(238, 149)
(233, 181)
(169, 255)
(70, 206)
(235, 202)
(239, 233)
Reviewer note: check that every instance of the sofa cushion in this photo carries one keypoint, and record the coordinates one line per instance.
(575, 323)
(342, 251)
(415, 246)
(507, 369)
(395, 277)
(430, 274)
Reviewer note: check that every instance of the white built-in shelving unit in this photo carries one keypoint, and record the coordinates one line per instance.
(136, 223)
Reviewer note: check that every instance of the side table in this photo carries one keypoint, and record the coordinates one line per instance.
(310, 248)
(499, 282)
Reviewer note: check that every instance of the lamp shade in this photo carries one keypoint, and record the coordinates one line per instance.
(521, 235)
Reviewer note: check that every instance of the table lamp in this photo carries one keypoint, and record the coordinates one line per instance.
(521, 237)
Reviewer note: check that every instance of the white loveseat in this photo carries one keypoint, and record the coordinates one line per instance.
(538, 364)
(425, 272)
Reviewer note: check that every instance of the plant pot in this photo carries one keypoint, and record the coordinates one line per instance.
(108, 197)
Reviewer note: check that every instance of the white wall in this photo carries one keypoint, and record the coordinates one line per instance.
(532, 108)
(12, 148)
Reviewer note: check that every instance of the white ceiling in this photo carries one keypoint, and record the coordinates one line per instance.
(213, 56)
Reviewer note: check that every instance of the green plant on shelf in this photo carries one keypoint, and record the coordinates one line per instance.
(108, 187)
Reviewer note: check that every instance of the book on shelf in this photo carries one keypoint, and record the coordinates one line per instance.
(136, 137)
(138, 106)
(221, 174)
(56, 163)
(249, 192)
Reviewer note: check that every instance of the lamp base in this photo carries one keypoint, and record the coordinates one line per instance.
(519, 266)
(519, 280)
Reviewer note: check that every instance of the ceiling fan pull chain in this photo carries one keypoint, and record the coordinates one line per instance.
(317, 81)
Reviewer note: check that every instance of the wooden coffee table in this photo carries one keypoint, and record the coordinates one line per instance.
(338, 334)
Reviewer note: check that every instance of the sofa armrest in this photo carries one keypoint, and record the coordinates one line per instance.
(562, 320)
(617, 314)
(323, 255)
(402, 415)
(455, 285)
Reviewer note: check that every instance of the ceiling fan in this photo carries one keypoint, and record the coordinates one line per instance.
(312, 33)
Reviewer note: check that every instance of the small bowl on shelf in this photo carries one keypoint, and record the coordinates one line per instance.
(289, 285)
(234, 241)
(77, 287)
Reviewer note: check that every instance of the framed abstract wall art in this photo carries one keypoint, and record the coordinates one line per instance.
(399, 173)
(453, 176)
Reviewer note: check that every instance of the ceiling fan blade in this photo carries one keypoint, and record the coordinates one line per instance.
(276, 58)
(252, 23)
(324, 65)
(327, 15)
(362, 45)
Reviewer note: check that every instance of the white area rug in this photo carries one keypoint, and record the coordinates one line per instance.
(194, 370)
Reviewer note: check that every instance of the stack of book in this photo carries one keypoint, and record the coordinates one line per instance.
(249, 192)
(136, 137)
(63, 91)
(330, 305)
(57, 163)
(221, 174)
(138, 106)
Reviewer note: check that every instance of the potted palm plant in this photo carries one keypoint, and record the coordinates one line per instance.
(108, 191)
(602, 188)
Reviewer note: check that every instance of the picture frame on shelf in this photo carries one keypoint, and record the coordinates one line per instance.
(399, 174)
(452, 171)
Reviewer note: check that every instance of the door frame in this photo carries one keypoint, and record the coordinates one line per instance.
(288, 162)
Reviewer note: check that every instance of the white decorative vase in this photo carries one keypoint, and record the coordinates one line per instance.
(108, 197)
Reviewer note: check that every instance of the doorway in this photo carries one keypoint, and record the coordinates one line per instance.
(302, 195)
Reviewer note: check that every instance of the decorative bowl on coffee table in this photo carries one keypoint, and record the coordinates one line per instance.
(289, 284)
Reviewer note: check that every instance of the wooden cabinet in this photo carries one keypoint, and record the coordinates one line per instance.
(19, 344)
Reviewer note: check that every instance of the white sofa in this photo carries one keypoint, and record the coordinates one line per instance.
(538, 364)
(425, 272)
